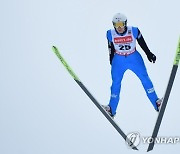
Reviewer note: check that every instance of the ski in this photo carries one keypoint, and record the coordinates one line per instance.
(114, 124)
(166, 96)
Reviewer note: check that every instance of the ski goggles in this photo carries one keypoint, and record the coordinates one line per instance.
(119, 24)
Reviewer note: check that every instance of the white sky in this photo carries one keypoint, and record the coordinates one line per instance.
(42, 110)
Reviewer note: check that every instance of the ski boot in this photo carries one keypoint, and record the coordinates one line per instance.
(107, 108)
(159, 103)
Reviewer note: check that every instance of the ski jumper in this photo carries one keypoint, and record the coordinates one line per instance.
(126, 57)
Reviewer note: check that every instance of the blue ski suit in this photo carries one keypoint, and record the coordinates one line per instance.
(126, 57)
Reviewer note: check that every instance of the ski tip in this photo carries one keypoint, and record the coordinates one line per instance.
(54, 47)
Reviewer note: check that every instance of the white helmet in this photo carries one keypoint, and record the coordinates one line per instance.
(119, 17)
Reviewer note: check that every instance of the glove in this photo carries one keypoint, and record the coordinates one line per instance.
(151, 57)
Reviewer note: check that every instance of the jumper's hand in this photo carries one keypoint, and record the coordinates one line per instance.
(151, 57)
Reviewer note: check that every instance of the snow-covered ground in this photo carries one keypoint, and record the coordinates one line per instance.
(42, 109)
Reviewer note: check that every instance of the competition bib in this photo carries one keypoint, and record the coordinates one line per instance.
(124, 44)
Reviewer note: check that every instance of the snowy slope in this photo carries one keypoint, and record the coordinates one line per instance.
(42, 110)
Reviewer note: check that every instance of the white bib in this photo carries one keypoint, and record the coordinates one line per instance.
(124, 44)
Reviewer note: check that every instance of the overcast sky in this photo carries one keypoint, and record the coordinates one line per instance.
(42, 109)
